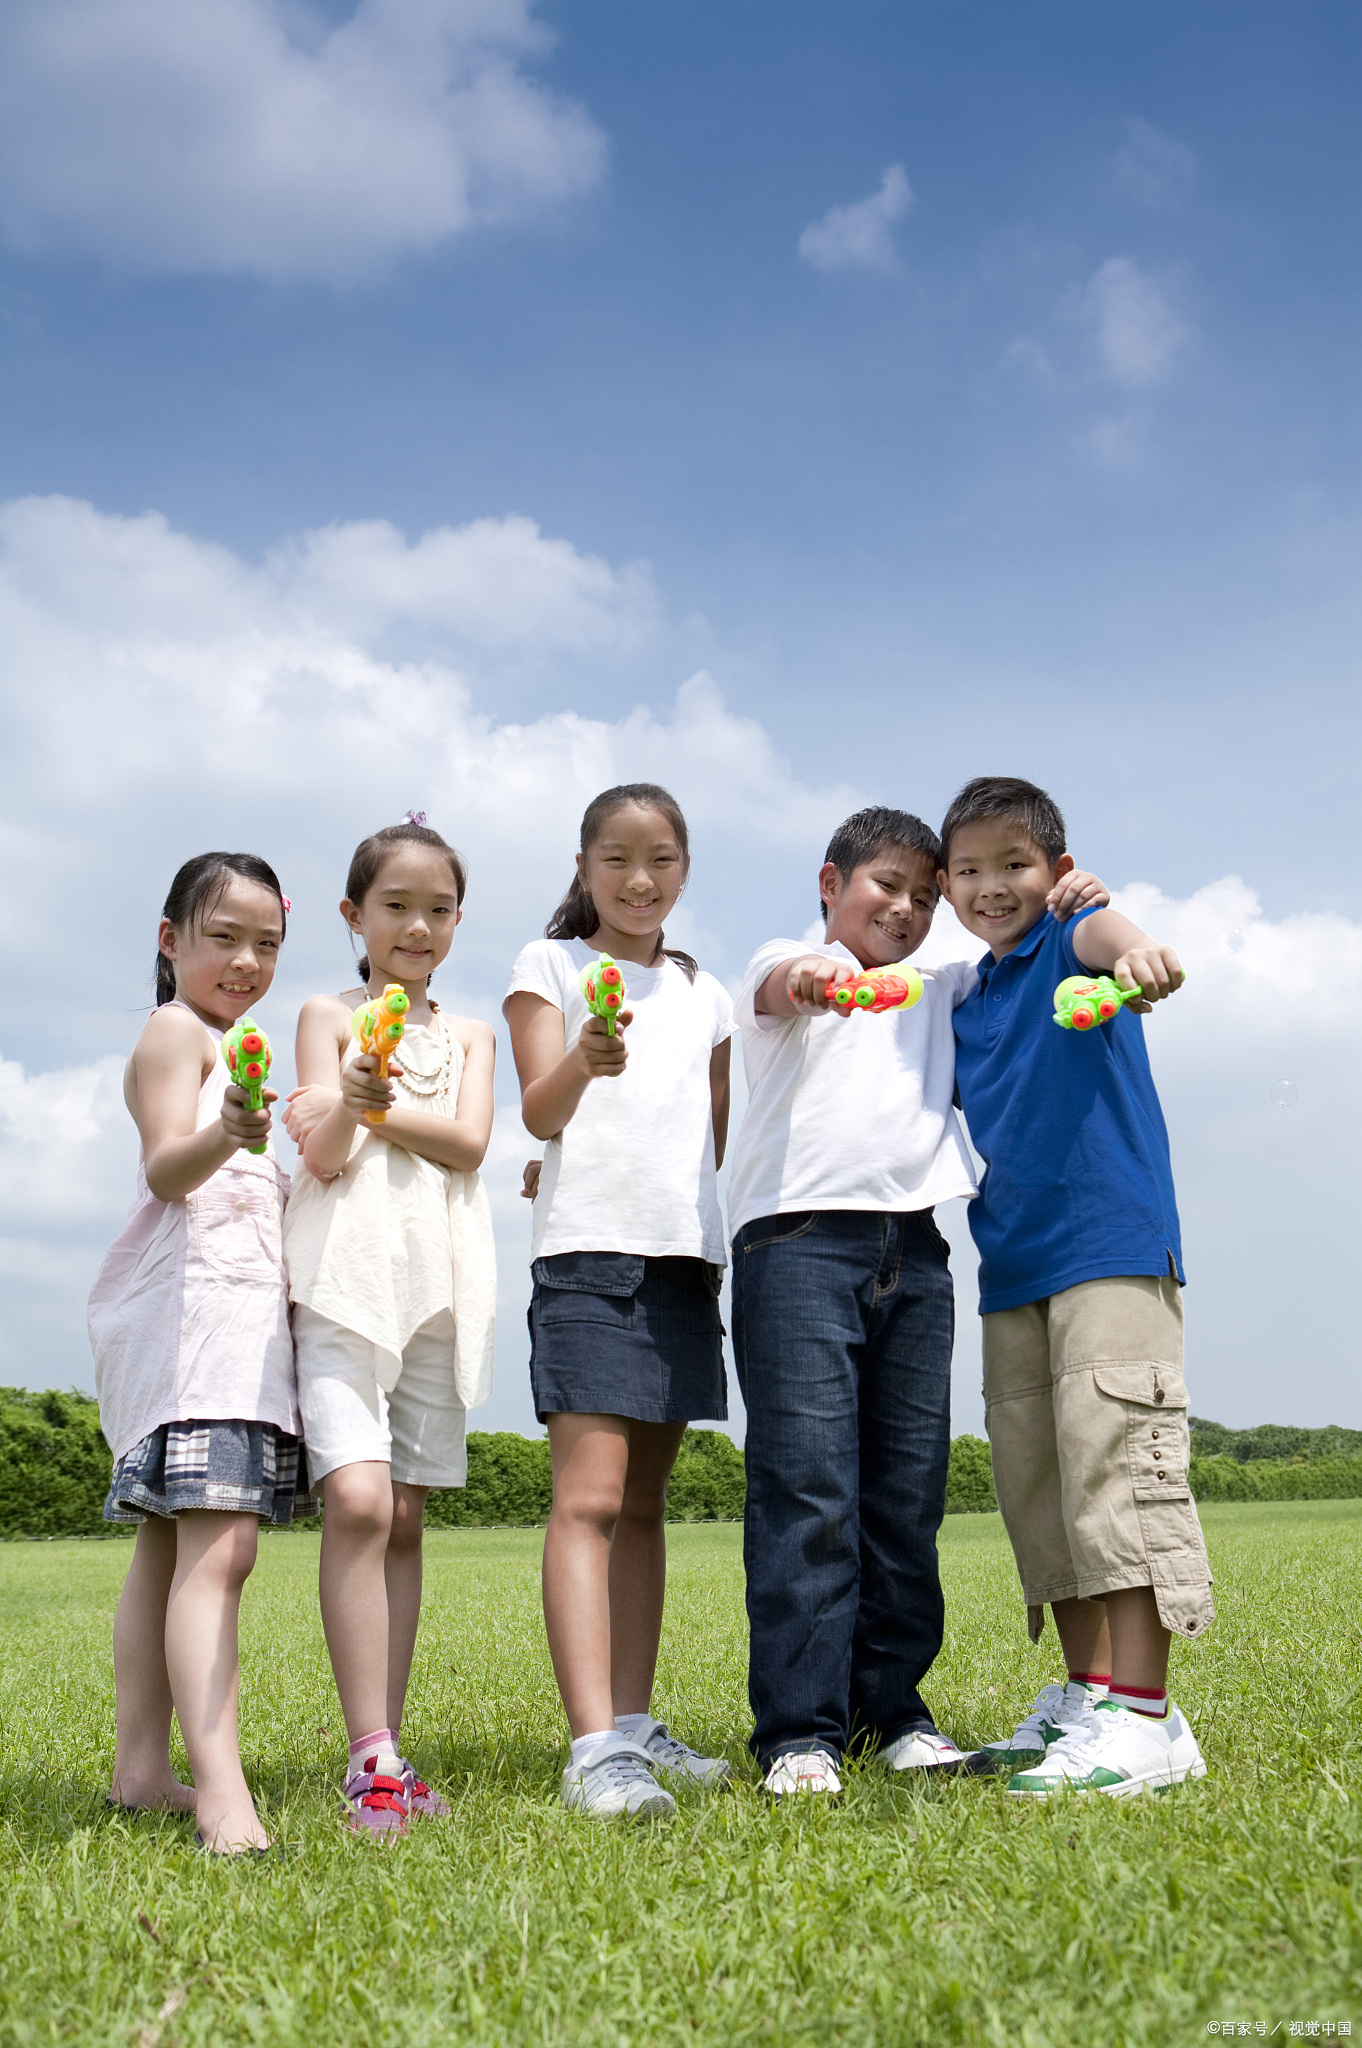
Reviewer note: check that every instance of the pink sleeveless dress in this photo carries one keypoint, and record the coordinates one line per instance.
(189, 1326)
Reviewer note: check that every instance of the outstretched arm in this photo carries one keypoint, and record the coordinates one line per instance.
(1110, 944)
(796, 988)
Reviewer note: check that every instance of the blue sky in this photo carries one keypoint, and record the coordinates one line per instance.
(956, 387)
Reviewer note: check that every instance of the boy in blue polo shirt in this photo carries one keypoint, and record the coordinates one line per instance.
(1080, 1272)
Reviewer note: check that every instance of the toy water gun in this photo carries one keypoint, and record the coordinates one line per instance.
(247, 1053)
(602, 987)
(378, 1027)
(1084, 1001)
(879, 988)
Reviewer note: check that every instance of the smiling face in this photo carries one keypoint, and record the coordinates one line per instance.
(224, 965)
(407, 917)
(882, 910)
(997, 879)
(634, 873)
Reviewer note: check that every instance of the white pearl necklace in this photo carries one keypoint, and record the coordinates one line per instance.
(427, 1080)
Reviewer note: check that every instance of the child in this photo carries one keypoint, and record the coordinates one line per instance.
(1079, 1279)
(393, 1278)
(628, 1249)
(843, 1316)
(193, 1363)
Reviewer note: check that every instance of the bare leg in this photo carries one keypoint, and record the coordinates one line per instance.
(402, 1576)
(1139, 1640)
(214, 1556)
(354, 1591)
(142, 1774)
(638, 1564)
(590, 1461)
(1083, 1633)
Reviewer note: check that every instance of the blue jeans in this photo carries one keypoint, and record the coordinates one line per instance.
(843, 1322)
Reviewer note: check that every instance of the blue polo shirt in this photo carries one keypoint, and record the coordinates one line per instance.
(1079, 1183)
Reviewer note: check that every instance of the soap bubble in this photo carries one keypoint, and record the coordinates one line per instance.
(1235, 940)
(1284, 1093)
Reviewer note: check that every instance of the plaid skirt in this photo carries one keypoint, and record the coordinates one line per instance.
(228, 1468)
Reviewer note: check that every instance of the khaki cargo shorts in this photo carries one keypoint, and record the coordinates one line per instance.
(1086, 1413)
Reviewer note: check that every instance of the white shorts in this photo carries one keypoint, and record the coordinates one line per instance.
(418, 1428)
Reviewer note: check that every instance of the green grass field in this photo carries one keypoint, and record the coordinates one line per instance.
(940, 1913)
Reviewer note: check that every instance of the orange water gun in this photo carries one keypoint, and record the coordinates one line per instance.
(879, 988)
(378, 1027)
(247, 1053)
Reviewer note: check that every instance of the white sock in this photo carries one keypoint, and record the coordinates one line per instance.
(632, 1724)
(585, 1746)
(376, 1753)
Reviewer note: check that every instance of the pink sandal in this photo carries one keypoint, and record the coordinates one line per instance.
(378, 1805)
(420, 1799)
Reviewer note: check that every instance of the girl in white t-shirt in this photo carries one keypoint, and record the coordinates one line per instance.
(628, 1253)
(193, 1363)
(392, 1275)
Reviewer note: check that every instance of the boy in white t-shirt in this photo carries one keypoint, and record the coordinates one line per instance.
(844, 1314)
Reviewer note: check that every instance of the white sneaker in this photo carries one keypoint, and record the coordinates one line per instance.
(803, 1770)
(1059, 1710)
(667, 1754)
(616, 1780)
(922, 1749)
(1116, 1752)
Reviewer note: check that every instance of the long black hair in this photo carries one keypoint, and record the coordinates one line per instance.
(575, 917)
(193, 897)
(370, 854)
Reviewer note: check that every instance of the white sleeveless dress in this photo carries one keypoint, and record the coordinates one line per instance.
(188, 1318)
(395, 1239)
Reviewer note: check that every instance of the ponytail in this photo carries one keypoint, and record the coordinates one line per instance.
(194, 895)
(576, 916)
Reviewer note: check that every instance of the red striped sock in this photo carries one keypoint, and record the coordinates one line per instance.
(1090, 1678)
(1141, 1699)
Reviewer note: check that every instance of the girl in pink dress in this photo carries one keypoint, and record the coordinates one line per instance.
(193, 1358)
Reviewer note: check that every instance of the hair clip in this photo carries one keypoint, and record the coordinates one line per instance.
(413, 818)
(287, 902)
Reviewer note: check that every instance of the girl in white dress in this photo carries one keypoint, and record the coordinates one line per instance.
(193, 1363)
(392, 1275)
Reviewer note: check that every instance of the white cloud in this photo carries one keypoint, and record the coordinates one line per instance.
(1153, 168)
(859, 236)
(1137, 333)
(164, 695)
(250, 136)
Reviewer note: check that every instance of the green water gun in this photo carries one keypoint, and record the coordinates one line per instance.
(247, 1053)
(602, 987)
(1084, 1001)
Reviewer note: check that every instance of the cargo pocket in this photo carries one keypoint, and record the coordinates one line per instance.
(1158, 1447)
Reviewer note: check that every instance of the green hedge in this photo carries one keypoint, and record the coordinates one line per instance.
(55, 1464)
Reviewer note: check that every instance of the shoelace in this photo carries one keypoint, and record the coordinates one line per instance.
(1046, 1709)
(666, 1747)
(618, 1773)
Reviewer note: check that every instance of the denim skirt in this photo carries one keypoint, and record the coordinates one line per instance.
(614, 1333)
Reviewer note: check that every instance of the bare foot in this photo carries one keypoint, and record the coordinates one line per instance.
(232, 1830)
(161, 1789)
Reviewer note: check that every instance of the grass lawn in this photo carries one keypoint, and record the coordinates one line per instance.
(943, 1912)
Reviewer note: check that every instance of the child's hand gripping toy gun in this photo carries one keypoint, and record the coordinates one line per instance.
(602, 987)
(247, 1053)
(879, 988)
(378, 1027)
(1084, 1001)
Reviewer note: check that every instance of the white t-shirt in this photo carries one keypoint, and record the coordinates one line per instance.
(633, 1171)
(849, 1112)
